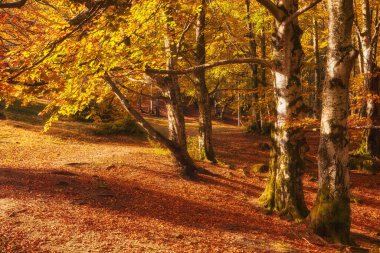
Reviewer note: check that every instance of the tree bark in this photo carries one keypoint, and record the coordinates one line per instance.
(330, 215)
(263, 46)
(170, 85)
(206, 149)
(317, 71)
(157, 106)
(174, 107)
(2, 114)
(284, 190)
(372, 136)
(256, 111)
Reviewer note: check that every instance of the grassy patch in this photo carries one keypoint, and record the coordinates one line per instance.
(158, 149)
(193, 147)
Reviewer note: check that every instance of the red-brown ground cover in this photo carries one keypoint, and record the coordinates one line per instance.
(68, 191)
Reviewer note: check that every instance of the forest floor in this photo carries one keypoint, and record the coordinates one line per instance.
(71, 191)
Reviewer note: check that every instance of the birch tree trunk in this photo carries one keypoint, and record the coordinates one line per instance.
(206, 149)
(330, 215)
(284, 191)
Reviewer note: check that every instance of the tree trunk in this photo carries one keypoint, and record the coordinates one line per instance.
(157, 106)
(373, 112)
(263, 45)
(256, 112)
(370, 80)
(206, 148)
(284, 191)
(317, 71)
(2, 114)
(174, 107)
(330, 215)
(170, 86)
(140, 102)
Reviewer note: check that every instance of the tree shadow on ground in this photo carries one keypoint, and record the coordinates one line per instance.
(125, 197)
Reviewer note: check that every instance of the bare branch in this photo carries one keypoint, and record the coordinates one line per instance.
(142, 94)
(376, 33)
(17, 4)
(301, 11)
(182, 37)
(262, 62)
(272, 8)
(34, 84)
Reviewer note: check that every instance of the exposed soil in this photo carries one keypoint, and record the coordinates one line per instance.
(68, 191)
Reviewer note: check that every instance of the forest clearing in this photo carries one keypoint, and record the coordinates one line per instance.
(72, 191)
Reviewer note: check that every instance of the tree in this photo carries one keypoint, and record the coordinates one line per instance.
(206, 148)
(330, 215)
(368, 35)
(256, 110)
(284, 190)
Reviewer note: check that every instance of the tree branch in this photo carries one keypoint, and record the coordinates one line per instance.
(181, 38)
(376, 34)
(153, 133)
(142, 94)
(272, 8)
(301, 11)
(52, 46)
(17, 4)
(262, 62)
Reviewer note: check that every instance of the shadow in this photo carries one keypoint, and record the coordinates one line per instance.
(251, 190)
(78, 131)
(360, 238)
(125, 197)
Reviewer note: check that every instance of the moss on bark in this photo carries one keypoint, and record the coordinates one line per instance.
(330, 217)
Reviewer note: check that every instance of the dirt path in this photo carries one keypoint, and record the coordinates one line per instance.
(70, 192)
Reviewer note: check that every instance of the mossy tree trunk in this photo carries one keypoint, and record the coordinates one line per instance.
(206, 149)
(330, 215)
(284, 191)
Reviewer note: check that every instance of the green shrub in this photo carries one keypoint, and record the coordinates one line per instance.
(157, 148)
(125, 126)
(360, 159)
(265, 129)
